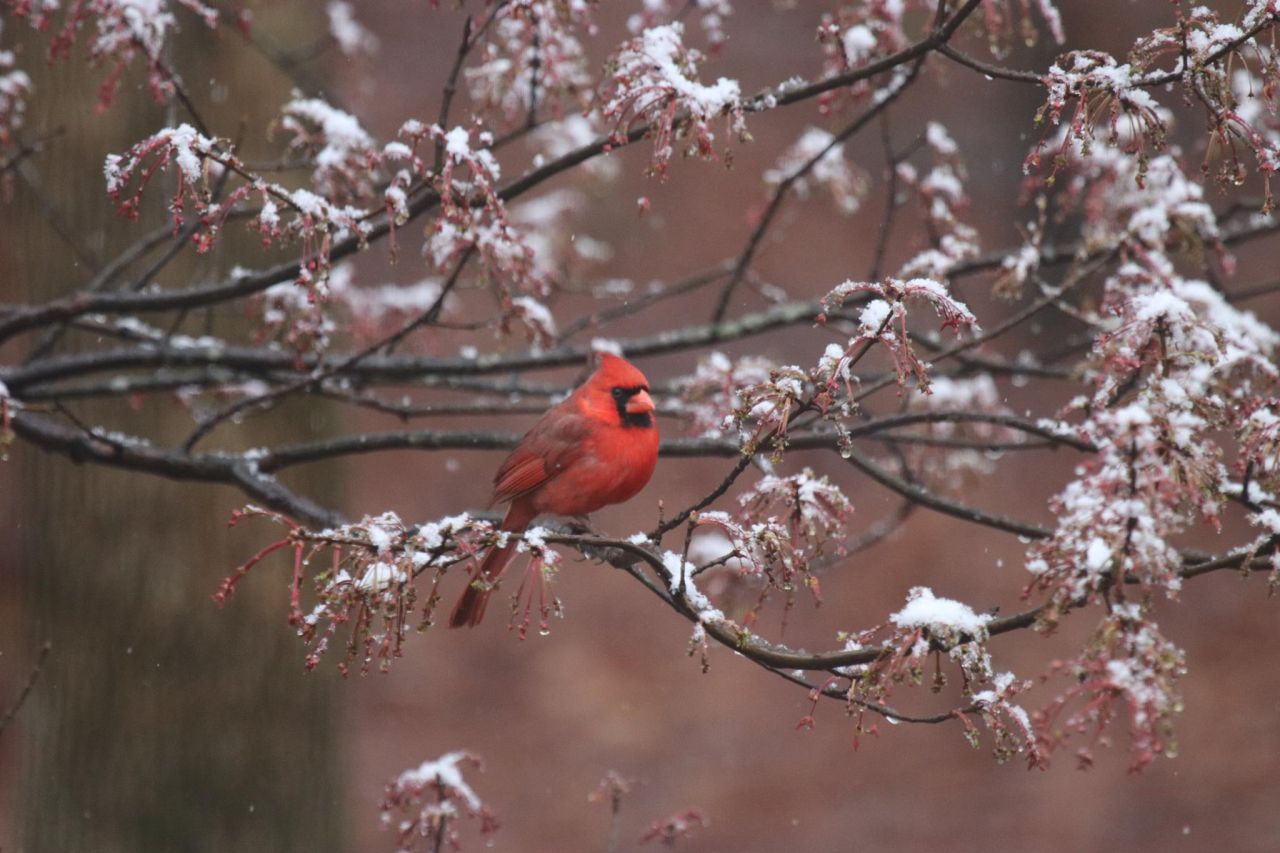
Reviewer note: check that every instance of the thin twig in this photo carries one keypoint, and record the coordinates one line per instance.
(26, 688)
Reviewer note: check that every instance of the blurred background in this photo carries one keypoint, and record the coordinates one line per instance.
(162, 723)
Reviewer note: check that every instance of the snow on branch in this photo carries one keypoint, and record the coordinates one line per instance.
(472, 216)
(340, 149)
(654, 80)
(533, 61)
(124, 30)
(786, 529)
(312, 219)
(1103, 90)
(943, 195)
(931, 628)
(15, 90)
(370, 582)
(832, 171)
(1126, 661)
(426, 805)
(883, 320)
(712, 395)
(352, 37)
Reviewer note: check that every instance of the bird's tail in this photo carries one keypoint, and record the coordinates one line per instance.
(475, 598)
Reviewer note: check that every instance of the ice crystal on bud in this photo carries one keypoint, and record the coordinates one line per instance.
(654, 79)
(181, 145)
(425, 805)
(765, 409)
(1009, 722)
(857, 34)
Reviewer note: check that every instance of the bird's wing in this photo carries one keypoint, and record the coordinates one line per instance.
(546, 450)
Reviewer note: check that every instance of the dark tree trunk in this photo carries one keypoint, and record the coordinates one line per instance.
(159, 722)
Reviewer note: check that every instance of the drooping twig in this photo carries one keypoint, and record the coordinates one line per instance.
(26, 688)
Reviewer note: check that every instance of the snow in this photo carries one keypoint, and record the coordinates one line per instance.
(15, 87)
(830, 169)
(709, 545)
(352, 36)
(457, 143)
(536, 315)
(939, 139)
(575, 131)
(832, 364)
(942, 616)
(344, 138)
(606, 345)
(1098, 555)
(269, 215)
(942, 180)
(1257, 10)
(1053, 18)
(432, 534)
(663, 47)
(977, 393)
(873, 317)
(308, 202)
(1268, 519)
(859, 44)
(680, 577)
(380, 576)
(444, 771)
(380, 538)
(380, 301)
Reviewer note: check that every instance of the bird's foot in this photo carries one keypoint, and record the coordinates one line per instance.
(580, 525)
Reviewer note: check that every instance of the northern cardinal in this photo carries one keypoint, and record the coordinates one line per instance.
(597, 447)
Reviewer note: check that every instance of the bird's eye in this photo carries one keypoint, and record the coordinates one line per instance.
(619, 393)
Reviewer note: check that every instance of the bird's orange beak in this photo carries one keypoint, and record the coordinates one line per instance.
(640, 403)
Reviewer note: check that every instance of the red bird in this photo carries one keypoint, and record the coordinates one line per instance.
(597, 447)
